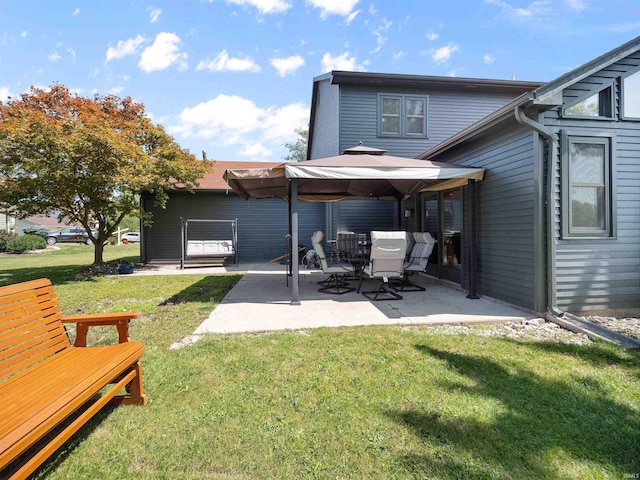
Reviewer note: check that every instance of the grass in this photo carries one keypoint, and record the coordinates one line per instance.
(370, 402)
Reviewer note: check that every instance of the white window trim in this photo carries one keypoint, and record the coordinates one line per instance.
(623, 116)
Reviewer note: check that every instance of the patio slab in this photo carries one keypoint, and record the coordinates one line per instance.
(261, 301)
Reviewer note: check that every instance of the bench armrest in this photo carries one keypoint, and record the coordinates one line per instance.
(83, 322)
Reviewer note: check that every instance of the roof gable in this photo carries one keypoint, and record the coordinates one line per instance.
(551, 93)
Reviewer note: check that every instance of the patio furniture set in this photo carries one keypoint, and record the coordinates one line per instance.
(390, 258)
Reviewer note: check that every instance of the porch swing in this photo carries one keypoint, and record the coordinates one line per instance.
(208, 241)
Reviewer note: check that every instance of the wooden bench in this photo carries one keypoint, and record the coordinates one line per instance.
(48, 387)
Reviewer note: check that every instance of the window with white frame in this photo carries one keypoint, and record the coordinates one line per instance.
(631, 95)
(587, 186)
(402, 115)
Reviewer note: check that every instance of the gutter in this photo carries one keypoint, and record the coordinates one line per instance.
(553, 311)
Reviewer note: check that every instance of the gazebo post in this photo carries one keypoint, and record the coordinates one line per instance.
(295, 262)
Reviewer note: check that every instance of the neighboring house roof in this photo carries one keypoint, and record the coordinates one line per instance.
(51, 222)
(544, 97)
(214, 180)
(423, 82)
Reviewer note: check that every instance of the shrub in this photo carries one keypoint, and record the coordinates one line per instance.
(35, 230)
(4, 239)
(25, 243)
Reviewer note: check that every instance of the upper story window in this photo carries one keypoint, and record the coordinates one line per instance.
(595, 105)
(587, 186)
(631, 95)
(402, 115)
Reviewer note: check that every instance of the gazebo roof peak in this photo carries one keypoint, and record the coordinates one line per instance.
(364, 150)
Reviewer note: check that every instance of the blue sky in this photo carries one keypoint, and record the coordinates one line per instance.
(234, 77)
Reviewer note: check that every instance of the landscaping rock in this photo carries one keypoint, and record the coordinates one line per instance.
(540, 329)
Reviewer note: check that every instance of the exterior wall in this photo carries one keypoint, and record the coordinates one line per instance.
(363, 216)
(603, 274)
(326, 122)
(262, 224)
(506, 200)
(448, 112)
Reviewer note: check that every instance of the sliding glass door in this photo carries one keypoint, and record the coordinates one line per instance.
(442, 217)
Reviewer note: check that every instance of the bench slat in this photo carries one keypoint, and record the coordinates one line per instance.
(38, 400)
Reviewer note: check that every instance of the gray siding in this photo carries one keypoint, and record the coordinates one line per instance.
(326, 128)
(363, 216)
(505, 206)
(262, 224)
(603, 274)
(448, 113)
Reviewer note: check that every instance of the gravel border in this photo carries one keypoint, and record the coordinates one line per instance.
(541, 330)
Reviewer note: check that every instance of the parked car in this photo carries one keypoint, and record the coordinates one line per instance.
(130, 237)
(69, 235)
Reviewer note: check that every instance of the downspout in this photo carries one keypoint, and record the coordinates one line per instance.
(550, 136)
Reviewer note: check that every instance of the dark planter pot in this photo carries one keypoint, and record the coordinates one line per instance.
(124, 269)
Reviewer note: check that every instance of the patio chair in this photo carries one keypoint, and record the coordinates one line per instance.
(346, 244)
(335, 283)
(416, 262)
(388, 250)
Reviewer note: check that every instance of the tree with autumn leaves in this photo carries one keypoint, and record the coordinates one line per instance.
(86, 159)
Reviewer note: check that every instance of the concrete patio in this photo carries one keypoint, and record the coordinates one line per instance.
(261, 301)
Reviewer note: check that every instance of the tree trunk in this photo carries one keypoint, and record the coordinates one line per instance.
(99, 250)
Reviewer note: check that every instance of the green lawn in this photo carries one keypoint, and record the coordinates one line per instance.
(351, 403)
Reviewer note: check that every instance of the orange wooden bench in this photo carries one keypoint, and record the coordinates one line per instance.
(48, 387)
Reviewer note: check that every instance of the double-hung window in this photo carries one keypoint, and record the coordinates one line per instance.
(402, 115)
(587, 186)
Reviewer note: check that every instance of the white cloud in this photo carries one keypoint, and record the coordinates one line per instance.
(398, 55)
(256, 151)
(115, 90)
(432, 36)
(341, 62)
(76, 12)
(443, 54)
(223, 63)
(54, 57)
(286, 66)
(234, 120)
(4, 94)
(351, 17)
(224, 116)
(380, 34)
(334, 7)
(489, 59)
(23, 34)
(280, 123)
(125, 47)
(265, 7)
(163, 53)
(72, 52)
(534, 9)
(154, 14)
